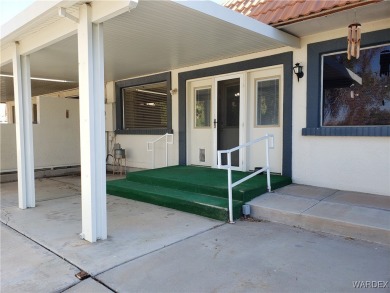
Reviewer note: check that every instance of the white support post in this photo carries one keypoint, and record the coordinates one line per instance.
(100, 128)
(24, 129)
(92, 128)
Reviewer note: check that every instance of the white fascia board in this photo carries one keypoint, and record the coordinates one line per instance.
(61, 29)
(45, 37)
(11, 31)
(35, 11)
(104, 10)
(58, 31)
(222, 13)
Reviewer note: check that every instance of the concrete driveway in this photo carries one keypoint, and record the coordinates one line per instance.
(155, 249)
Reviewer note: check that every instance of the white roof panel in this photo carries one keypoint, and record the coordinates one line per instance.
(159, 36)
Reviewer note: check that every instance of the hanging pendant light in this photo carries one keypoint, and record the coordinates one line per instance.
(354, 40)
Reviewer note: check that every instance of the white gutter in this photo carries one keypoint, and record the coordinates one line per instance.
(102, 12)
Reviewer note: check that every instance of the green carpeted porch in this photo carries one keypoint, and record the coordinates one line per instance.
(198, 190)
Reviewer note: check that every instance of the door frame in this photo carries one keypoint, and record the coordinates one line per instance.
(242, 120)
(285, 59)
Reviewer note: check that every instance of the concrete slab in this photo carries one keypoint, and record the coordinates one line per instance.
(155, 249)
(74, 180)
(8, 196)
(27, 267)
(254, 257)
(46, 189)
(351, 214)
(88, 285)
(361, 199)
(306, 191)
(51, 188)
(291, 204)
(134, 229)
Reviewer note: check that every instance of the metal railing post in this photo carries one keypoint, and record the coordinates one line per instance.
(230, 188)
(153, 165)
(228, 167)
(166, 150)
(268, 167)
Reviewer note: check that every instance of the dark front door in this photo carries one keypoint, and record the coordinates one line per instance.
(228, 132)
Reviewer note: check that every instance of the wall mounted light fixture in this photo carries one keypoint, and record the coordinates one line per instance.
(298, 70)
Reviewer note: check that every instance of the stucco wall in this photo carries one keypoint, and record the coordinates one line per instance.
(137, 155)
(348, 163)
(56, 138)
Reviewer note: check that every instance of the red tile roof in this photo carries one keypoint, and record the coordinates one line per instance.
(281, 12)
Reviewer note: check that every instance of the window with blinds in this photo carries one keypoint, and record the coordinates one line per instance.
(145, 106)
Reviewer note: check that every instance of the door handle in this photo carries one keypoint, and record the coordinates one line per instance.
(215, 123)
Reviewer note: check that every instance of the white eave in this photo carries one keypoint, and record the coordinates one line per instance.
(36, 14)
(156, 36)
(266, 31)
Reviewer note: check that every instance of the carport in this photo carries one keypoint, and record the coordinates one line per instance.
(101, 41)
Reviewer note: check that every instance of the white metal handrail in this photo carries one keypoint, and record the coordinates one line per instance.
(228, 167)
(150, 146)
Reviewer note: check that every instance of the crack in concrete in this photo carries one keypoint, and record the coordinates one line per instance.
(319, 202)
(161, 248)
(6, 215)
(56, 254)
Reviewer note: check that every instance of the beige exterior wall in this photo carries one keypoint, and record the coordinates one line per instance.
(348, 163)
(56, 138)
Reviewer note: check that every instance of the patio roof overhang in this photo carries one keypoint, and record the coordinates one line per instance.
(156, 36)
(102, 41)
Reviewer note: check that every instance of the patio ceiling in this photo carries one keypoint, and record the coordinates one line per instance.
(156, 36)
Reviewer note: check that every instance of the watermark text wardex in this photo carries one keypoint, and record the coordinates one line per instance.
(370, 284)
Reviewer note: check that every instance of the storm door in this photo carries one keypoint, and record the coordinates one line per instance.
(228, 117)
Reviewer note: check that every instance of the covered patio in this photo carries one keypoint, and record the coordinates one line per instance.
(103, 41)
(135, 228)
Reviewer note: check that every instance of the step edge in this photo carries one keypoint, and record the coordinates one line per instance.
(328, 225)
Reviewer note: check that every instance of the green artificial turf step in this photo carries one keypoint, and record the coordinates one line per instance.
(198, 190)
(208, 181)
(196, 203)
